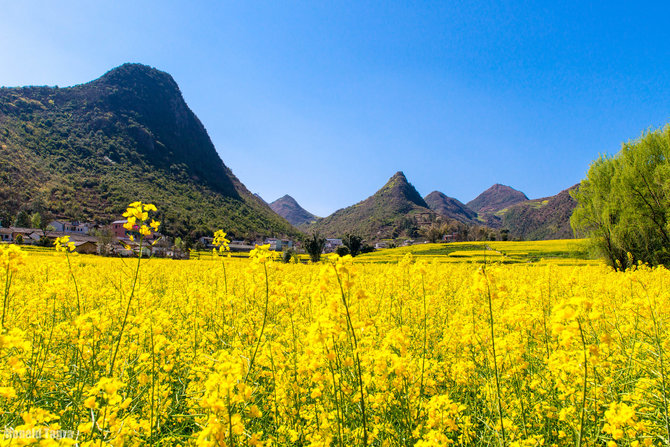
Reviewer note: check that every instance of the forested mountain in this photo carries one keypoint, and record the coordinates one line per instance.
(85, 152)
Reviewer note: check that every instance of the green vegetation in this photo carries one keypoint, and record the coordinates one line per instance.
(353, 244)
(541, 218)
(87, 151)
(624, 203)
(314, 245)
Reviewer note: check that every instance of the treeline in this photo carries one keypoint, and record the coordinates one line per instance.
(624, 203)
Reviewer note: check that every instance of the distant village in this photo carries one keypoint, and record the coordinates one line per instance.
(116, 240)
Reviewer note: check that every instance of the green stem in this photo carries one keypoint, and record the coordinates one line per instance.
(586, 373)
(495, 360)
(125, 317)
(76, 289)
(265, 318)
(358, 360)
(5, 301)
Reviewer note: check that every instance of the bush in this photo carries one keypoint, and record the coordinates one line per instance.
(288, 256)
(342, 250)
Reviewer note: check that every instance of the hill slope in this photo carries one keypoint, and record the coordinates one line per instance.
(86, 151)
(290, 210)
(449, 207)
(546, 218)
(496, 198)
(396, 209)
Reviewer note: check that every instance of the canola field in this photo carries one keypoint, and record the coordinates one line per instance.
(409, 352)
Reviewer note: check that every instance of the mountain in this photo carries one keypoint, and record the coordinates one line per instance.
(396, 209)
(290, 210)
(496, 198)
(85, 152)
(546, 218)
(449, 207)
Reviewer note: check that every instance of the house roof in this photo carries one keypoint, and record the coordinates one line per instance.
(73, 237)
(23, 230)
(120, 221)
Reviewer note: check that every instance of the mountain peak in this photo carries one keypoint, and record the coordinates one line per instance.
(397, 208)
(288, 208)
(450, 207)
(399, 188)
(496, 198)
(133, 73)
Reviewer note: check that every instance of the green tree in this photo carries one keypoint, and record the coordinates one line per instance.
(353, 243)
(314, 246)
(39, 221)
(22, 219)
(434, 232)
(623, 205)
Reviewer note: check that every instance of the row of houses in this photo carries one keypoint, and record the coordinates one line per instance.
(83, 243)
(275, 244)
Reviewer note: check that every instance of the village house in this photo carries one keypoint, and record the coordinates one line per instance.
(71, 227)
(6, 235)
(23, 232)
(331, 245)
(86, 247)
(120, 232)
(118, 228)
(240, 246)
(279, 244)
(207, 242)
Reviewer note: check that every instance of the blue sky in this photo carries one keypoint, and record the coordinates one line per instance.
(326, 100)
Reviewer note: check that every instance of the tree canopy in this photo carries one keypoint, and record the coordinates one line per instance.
(624, 202)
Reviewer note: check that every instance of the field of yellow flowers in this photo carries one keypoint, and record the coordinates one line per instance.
(231, 352)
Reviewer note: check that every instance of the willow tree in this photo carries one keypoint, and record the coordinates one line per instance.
(623, 204)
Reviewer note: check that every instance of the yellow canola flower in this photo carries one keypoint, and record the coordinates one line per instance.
(221, 241)
(137, 218)
(63, 244)
(260, 254)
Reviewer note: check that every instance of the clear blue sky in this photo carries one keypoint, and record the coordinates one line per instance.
(326, 100)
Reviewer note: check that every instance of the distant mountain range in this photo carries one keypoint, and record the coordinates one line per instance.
(397, 209)
(86, 151)
(289, 209)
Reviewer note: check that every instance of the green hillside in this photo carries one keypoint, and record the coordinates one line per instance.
(397, 209)
(85, 152)
(547, 218)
